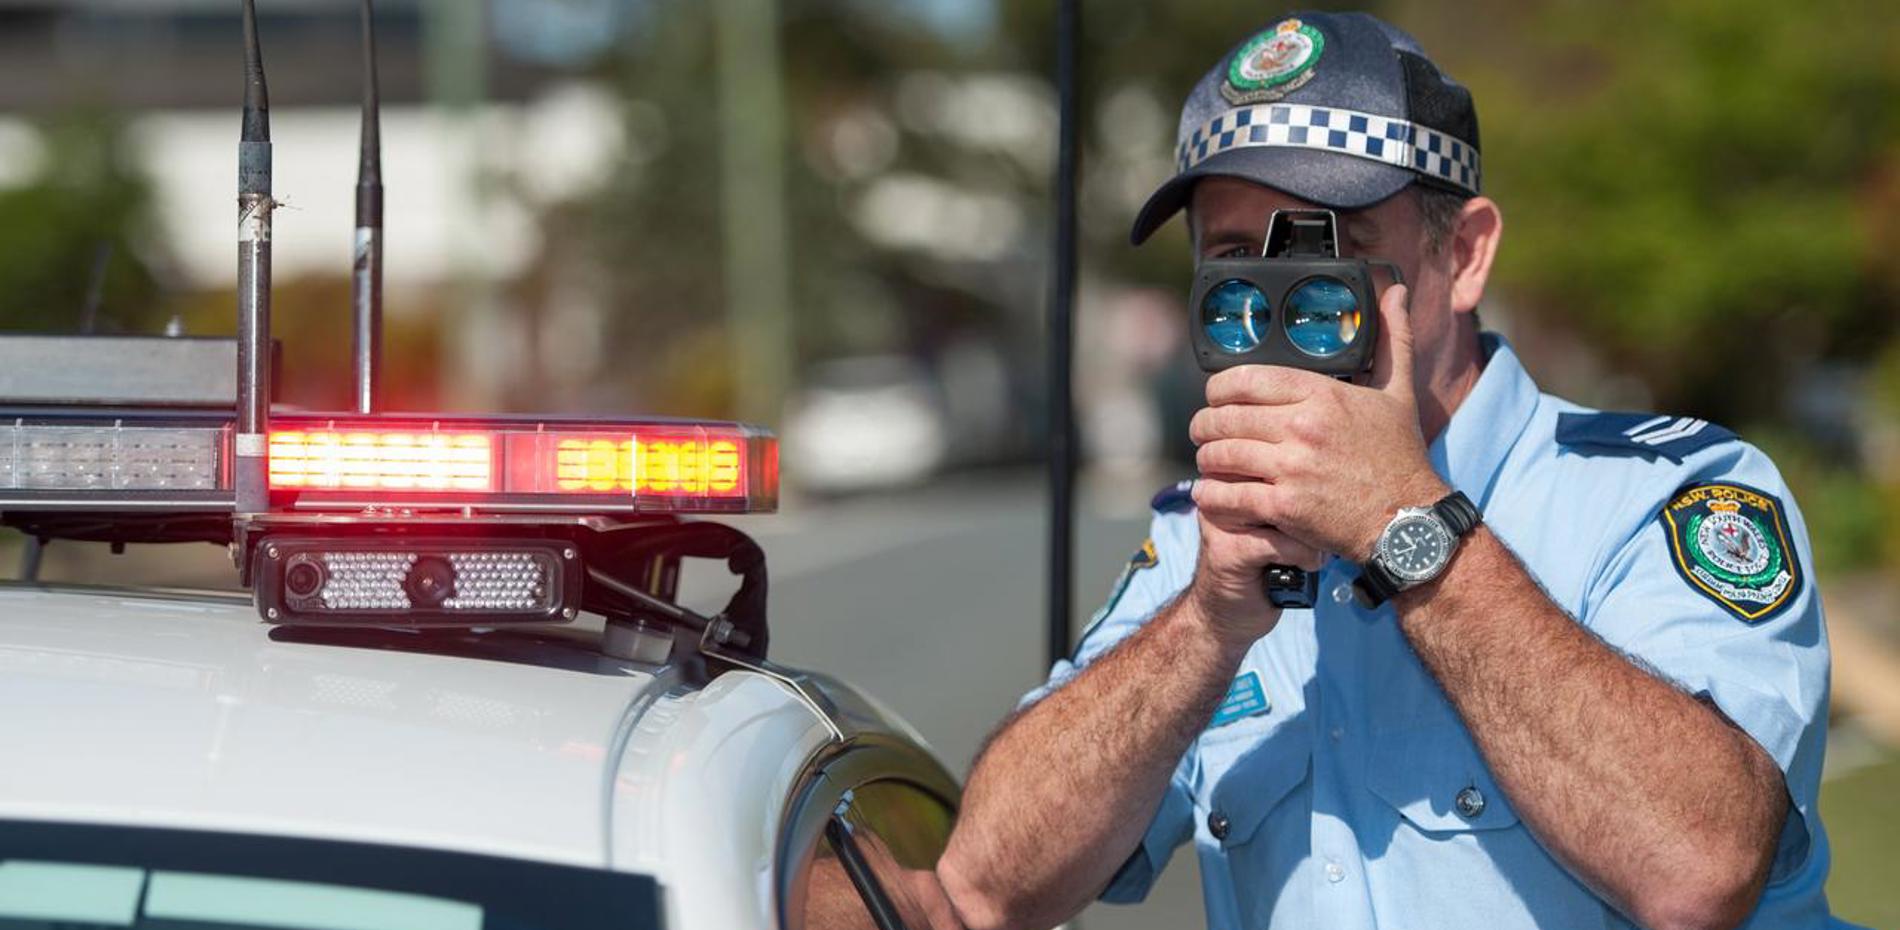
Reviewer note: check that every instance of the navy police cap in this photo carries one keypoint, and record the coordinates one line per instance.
(1337, 109)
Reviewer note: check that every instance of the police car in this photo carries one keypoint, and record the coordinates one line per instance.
(462, 691)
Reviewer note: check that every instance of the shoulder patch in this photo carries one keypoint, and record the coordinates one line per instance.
(1174, 498)
(1144, 558)
(1644, 434)
(1730, 543)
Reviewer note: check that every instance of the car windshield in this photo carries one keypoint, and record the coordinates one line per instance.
(69, 876)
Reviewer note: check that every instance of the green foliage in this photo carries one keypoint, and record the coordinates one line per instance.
(1682, 184)
(1847, 516)
(1862, 814)
(87, 199)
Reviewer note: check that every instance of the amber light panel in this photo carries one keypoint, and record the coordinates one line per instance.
(593, 465)
(697, 466)
(710, 467)
(394, 461)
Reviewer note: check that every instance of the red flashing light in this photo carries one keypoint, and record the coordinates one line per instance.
(392, 461)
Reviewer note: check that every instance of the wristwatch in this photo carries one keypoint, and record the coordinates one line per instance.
(1415, 547)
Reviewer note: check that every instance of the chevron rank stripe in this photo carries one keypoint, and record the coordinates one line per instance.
(1641, 434)
(1396, 142)
(1662, 430)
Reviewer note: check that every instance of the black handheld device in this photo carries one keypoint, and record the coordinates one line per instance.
(1296, 304)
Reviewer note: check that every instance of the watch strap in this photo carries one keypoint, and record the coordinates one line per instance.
(1461, 516)
(1375, 585)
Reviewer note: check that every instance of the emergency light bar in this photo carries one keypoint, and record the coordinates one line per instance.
(490, 464)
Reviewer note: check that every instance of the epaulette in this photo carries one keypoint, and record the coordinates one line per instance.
(1644, 434)
(1174, 498)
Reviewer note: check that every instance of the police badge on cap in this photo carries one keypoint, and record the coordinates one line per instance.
(1274, 63)
(1336, 109)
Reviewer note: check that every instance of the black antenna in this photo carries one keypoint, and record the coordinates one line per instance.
(367, 274)
(254, 210)
(1061, 340)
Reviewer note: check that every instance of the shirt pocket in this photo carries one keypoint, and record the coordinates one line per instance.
(1435, 779)
(1264, 777)
(1248, 772)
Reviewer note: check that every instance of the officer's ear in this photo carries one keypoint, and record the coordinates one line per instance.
(1474, 243)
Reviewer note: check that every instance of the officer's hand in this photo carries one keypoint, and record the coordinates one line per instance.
(1227, 592)
(1323, 461)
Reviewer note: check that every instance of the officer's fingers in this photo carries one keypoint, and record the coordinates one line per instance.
(1260, 546)
(1392, 355)
(1236, 504)
(1236, 421)
(1263, 384)
(1239, 458)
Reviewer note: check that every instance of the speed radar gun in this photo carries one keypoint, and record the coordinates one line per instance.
(1296, 304)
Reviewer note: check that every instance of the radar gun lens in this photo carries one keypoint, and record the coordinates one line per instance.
(1322, 317)
(1234, 313)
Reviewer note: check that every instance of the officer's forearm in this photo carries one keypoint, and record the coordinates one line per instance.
(1065, 790)
(1645, 794)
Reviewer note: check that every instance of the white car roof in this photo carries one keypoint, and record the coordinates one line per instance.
(187, 711)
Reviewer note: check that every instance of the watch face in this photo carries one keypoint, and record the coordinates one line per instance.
(1415, 548)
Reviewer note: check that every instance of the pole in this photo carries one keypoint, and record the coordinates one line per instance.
(1061, 339)
(30, 558)
(752, 191)
(254, 215)
(366, 274)
(455, 72)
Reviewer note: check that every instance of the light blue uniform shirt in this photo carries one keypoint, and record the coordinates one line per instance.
(1346, 791)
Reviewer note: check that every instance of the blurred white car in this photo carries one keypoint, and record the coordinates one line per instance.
(863, 423)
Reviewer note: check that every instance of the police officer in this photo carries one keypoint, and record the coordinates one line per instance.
(1567, 669)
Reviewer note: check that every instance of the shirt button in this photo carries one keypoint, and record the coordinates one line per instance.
(1335, 873)
(1339, 733)
(1470, 803)
(1342, 593)
(1217, 825)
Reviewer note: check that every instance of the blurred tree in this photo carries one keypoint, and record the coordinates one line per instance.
(1687, 184)
(86, 207)
(655, 226)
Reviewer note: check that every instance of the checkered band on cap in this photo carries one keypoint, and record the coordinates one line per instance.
(1333, 129)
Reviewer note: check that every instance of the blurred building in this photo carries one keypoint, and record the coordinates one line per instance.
(478, 135)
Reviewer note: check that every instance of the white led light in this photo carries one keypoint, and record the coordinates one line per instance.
(366, 580)
(118, 458)
(498, 581)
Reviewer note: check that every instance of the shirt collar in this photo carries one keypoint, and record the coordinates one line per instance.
(1471, 450)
